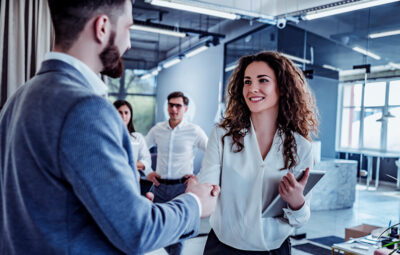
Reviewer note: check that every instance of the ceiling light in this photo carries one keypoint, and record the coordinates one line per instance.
(294, 58)
(196, 51)
(368, 53)
(383, 34)
(394, 65)
(331, 68)
(191, 8)
(345, 8)
(158, 30)
(155, 71)
(146, 76)
(231, 67)
(171, 62)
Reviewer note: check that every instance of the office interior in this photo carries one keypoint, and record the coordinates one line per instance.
(351, 60)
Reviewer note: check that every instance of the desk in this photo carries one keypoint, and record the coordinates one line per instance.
(349, 247)
(370, 155)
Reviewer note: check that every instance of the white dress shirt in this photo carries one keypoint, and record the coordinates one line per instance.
(176, 147)
(248, 186)
(91, 77)
(141, 152)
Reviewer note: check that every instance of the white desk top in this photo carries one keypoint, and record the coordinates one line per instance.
(381, 154)
(354, 246)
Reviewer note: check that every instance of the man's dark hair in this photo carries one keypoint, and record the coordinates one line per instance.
(70, 17)
(179, 94)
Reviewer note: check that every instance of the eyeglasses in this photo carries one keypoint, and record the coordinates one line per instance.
(178, 106)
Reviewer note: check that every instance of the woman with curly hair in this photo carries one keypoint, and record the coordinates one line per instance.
(262, 143)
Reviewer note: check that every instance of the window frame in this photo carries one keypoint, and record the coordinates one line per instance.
(123, 94)
(384, 124)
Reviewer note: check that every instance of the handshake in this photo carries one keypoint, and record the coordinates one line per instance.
(206, 193)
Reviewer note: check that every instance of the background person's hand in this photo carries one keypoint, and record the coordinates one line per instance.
(291, 190)
(207, 194)
(192, 177)
(150, 196)
(152, 177)
(139, 165)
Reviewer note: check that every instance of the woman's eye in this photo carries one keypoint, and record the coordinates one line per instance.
(247, 82)
(263, 80)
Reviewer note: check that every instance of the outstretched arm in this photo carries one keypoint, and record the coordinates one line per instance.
(95, 157)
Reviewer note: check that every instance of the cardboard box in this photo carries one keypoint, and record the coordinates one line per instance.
(359, 231)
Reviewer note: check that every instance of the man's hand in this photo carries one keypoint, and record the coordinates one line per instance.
(291, 190)
(139, 165)
(152, 177)
(207, 194)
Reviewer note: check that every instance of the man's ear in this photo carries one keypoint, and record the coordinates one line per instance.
(186, 108)
(102, 27)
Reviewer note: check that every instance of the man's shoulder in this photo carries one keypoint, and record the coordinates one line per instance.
(52, 92)
(60, 86)
(160, 125)
(190, 125)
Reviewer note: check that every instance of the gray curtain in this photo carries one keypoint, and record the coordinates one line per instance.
(25, 37)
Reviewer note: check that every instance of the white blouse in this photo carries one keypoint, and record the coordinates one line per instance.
(140, 151)
(248, 185)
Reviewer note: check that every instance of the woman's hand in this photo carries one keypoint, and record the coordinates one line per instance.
(291, 190)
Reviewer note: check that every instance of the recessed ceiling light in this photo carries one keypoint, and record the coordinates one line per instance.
(196, 9)
(358, 5)
(158, 30)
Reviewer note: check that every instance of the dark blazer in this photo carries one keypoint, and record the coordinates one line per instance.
(68, 180)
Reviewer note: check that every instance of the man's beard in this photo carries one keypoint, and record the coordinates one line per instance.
(111, 59)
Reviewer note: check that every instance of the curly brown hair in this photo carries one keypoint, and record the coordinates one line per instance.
(297, 110)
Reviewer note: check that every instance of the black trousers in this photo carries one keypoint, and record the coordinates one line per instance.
(216, 247)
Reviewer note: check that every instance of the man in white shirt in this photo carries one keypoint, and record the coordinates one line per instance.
(176, 140)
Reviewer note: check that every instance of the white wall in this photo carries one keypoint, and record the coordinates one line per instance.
(199, 78)
(326, 94)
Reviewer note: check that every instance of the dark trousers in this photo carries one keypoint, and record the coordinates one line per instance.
(216, 247)
(162, 194)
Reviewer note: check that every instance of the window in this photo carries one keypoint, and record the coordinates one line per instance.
(351, 115)
(393, 114)
(140, 93)
(370, 116)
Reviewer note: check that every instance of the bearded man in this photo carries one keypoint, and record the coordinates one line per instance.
(68, 180)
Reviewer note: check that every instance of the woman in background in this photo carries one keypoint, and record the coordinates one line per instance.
(140, 150)
(262, 143)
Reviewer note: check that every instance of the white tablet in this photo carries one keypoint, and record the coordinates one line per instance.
(276, 207)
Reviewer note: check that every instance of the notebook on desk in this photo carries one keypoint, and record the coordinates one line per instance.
(276, 207)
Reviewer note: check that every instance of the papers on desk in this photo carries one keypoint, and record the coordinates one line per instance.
(361, 247)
